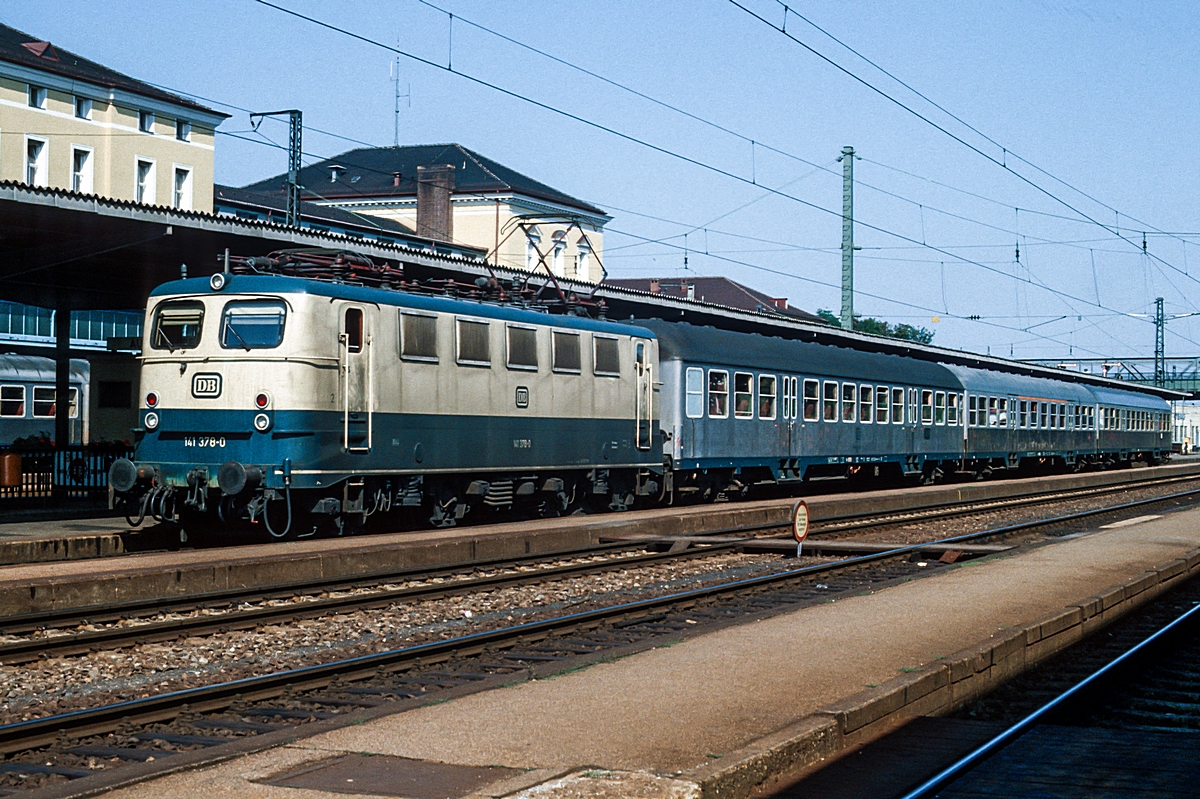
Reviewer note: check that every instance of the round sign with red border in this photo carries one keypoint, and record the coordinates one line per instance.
(800, 521)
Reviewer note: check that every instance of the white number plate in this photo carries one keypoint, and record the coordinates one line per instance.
(204, 442)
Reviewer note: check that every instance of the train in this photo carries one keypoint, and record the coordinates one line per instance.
(28, 394)
(291, 399)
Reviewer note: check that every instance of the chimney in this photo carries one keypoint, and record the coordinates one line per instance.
(779, 302)
(654, 286)
(435, 184)
(395, 179)
(691, 289)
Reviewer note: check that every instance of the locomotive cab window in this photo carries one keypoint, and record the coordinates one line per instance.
(253, 324)
(522, 348)
(177, 326)
(473, 340)
(418, 337)
(353, 329)
(743, 395)
(766, 396)
(566, 356)
(607, 356)
(12, 401)
(718, 393)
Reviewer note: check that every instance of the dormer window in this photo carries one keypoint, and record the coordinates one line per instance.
(83, 108)
(183, 130)
(146, 121)
(334, 171)
(37, 97)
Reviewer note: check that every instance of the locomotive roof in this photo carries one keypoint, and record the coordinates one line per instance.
(685, 342)
(282, 284)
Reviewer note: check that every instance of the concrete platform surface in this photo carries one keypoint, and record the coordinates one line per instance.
(706, 716)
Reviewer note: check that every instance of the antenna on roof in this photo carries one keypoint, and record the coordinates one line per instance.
(394, 69)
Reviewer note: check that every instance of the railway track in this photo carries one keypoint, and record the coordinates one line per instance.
(74, 752)
(1128, 728)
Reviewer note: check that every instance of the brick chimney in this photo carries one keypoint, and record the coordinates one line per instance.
(655, 288)
(435, 219)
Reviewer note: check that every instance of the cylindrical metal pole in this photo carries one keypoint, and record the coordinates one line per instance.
(847, 160)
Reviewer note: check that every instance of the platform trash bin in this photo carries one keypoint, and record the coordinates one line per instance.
(10, 470)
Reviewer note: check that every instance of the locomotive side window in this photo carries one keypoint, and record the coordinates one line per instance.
(881, 404)
(866, 402)
(830, 401)
(939, 407)
(743, 395)
(566, 355)
(694, 386)
(354, 329)
(718, 393)
(43, 401)
(926, 407)
(848, 394)
(810, 401)
(254, 324)
(952, 410)
(522, 348)
(897, 406)
(608, 356)
(418, 337)
(12, 401)
(766, 396)
(177, 326)
(473, 348)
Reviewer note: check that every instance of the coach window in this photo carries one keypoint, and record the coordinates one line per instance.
(43, 401)
(992, 419)
(848, 392)
(473, 341)
(522, 348)
(607, 354)
(1043, 416)
(866, 404)
(718, 393)
(418, 337)
(939, 407)
(694, 387)
(972, 418)
(766, 396)
(897, 406)
(881, 404)
(1023, 414)
(177, 326)
(743, 395)
(952, 410)
(829, 401)
(926, 406)
(810, 401)
(913, 404)
(566, 355)
(1002, 404)
(12, 401)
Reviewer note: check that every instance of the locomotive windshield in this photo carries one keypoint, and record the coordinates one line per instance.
(253, 324)
(177, 325)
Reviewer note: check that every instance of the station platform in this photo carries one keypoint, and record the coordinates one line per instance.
(65, 573)
(720, 714)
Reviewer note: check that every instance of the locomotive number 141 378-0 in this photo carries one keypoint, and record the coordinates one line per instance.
(204, 442)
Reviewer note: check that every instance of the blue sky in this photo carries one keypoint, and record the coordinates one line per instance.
(1100, 95)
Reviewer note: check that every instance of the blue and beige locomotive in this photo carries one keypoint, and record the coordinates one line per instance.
(313, 391)
(298, 404)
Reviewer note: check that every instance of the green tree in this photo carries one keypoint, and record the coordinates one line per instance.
(878, 327)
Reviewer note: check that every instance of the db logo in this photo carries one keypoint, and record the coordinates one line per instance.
(206, 384)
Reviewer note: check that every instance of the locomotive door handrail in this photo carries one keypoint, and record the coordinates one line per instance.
(365, 383)
(643, 403)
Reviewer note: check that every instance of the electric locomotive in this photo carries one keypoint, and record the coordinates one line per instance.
(296, 404)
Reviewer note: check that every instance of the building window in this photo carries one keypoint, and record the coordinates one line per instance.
(581, 260)
(183, 130)
(115, 394)
(694, 386)
(718, 393)
(35, 161)
(144, 190)
(146, 121)
(182, 195)
(83, 107)
(533, 240)
(37, 97)
(766, 396)
(558, 262)
(81, 170)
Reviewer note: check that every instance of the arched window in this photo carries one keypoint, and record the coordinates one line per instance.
(558, 263)
(583, 266)
(533, 240)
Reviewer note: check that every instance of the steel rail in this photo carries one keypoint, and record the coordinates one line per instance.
(23, 735)
(972, 759)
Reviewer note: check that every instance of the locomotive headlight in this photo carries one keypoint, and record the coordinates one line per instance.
(218, 281)
(262, 422)
(151, 420)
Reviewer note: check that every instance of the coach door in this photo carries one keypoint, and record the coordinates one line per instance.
(357, 400)
(643, 403)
